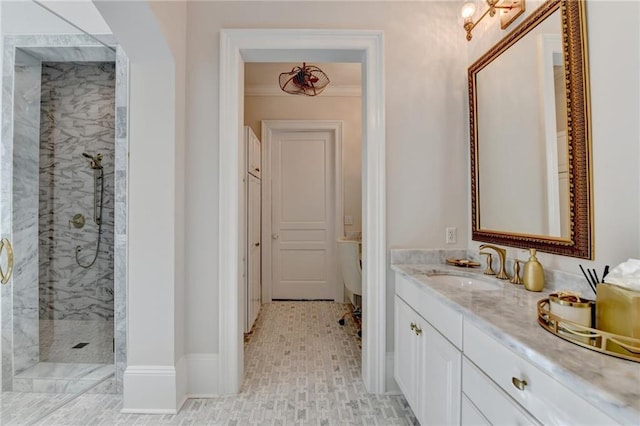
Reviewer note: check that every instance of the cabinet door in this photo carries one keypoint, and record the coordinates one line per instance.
(254, 251)
(440, 379)
(253, 153)
(405, 349)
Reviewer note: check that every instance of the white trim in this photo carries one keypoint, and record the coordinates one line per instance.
(252, 45)
(150, 389)
(391, 385)
(202, 375)
(330, 91)
(268, 128)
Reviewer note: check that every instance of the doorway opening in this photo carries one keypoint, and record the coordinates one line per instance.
(237, 48)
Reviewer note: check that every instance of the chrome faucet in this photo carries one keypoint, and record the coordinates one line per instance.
(502, 275)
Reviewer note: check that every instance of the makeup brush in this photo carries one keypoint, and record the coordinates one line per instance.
(593, 279)
(605, 273)
(587, 278)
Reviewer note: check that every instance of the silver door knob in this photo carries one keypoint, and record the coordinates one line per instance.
(275, 236)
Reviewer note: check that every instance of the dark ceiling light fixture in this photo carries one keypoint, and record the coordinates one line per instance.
(307, 80)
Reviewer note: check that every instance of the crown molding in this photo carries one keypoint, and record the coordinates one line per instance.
(331, 91)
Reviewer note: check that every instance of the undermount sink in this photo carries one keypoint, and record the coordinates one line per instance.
(464, 282)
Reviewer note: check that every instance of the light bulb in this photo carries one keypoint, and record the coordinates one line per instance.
(467, 10)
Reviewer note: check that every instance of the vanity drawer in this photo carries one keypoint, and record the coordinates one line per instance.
(469, 414)
(443, 318)
(491, 401)
(545, 398)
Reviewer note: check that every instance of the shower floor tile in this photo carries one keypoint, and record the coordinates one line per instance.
(58, 338)
(52, 377)
(58, 370)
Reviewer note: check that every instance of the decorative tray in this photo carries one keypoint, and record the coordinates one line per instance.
(590, 338)
(465, 263)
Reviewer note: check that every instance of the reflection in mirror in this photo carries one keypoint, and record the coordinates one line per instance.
(530, 153)
(514, 113)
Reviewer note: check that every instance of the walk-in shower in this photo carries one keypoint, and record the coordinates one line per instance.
(77, 142)
(63, 205)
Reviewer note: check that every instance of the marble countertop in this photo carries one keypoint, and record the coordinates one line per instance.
(510, 316)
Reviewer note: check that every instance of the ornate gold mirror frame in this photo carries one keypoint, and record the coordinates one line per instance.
(574, 46)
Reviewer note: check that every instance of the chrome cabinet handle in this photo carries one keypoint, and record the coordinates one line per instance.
(413, 326)
(5, 276)
(520, 384)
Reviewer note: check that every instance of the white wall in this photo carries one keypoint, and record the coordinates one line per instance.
(322, 107)
(153, 36)
(82, 13)
(614, 55)
(172, 17)
(425, 124)
(26, 17)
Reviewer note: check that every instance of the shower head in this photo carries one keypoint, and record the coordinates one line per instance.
(96, 162)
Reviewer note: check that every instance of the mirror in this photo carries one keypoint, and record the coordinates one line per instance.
(530, 153)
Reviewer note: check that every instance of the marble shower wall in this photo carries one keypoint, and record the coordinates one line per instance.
(77, 115)
(26, 110)
(120, 249)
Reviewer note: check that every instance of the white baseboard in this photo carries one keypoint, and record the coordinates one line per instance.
(181, 381)
(150, 389)
(390, 385)
(202, 375)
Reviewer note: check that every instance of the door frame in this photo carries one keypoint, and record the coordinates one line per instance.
(268, 129)
(299, 45)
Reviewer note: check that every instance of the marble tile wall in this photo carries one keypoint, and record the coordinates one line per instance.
(120, 248)
(26, 116)
(77, 116)
(6, 215)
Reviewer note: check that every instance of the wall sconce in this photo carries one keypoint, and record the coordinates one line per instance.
(509, 11)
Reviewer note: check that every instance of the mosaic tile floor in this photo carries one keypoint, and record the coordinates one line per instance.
(302, 368)
(58, 338)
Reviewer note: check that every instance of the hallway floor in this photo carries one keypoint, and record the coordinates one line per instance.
(301, 368)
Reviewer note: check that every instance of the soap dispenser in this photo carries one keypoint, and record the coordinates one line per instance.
(533, 276)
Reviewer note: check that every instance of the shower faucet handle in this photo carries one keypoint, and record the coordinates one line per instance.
(77, 221)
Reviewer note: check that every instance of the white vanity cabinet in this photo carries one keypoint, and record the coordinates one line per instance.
(507, 388)
(427, 366)
(453, 371)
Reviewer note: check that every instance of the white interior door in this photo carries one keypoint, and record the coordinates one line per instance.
(302, 203)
